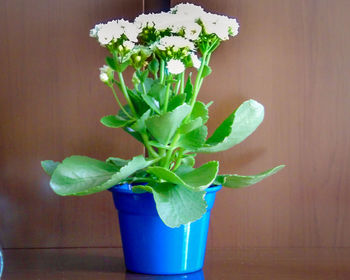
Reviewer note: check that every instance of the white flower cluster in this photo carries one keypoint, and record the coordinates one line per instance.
(175, 42)
(175, 66)
(113, 30)
(174, 36)
(105, 73)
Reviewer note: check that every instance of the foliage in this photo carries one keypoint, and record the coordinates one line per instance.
(170, 54)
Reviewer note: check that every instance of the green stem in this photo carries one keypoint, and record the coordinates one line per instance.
(177, 86)
(125, 92)
(198, 80)
(182, 89)
(149, 148)
(118, 101)
(166, 102)
(162, 68)
(179, 158)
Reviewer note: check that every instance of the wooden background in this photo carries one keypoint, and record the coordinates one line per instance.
(291, 55)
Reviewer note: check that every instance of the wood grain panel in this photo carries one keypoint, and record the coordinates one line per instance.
(51, 103)
(293, 57)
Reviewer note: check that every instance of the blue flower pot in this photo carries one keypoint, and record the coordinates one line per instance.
(149, 246)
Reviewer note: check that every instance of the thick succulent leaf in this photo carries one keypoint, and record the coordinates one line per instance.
(194, 139)
(189, 161)
(237, 127)
(118, 162)
(151, 102)
(49, 166)
(188, 90)
(137, 163)
(206, 71)
(157, 91)
(115, 121)
(239, 181)
(197, 179)
(133, 133)
(79, 173)
(200, 110)
(163, 127)
(140, 125)
(191, 125)
(175, 101)
(175, 204)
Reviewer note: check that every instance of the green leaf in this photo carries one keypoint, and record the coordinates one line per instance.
(151, 102)
(188, 88)
(122, 66)
(140, 125)
(49, 166)
(206, 71)
(157, 91)
(137, 163)
(237, 127)
(115, 121)
(134, 133)
(139, 104)
(191, 125)
(194, 139)
(177, 205)
(78, 174)
(153, 66)
(111, 63)
(238, 181)
(163, 127)
(197, 179)
(176, 101)
(188, 161)
(200, 110)
(118, 162)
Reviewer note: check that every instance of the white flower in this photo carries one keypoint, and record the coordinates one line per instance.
(222, 26)
(192, 30)
(195, 61)
(129, 45)
(94, 31)
(104, 77)
(175, 66)
(176, 42)
(105, 73)
(233, 26)
(129, 29)
(113, 30)
(160, 21)
(188, 25)
(105, 34)
(187, 9)
(145, 20)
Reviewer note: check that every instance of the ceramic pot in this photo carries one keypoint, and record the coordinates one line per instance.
(149, 246)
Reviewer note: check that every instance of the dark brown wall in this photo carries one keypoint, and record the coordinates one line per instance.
(292, 56)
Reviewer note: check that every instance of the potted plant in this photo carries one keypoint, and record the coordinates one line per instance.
(163, 201)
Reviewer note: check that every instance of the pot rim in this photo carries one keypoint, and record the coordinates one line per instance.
(126, 188)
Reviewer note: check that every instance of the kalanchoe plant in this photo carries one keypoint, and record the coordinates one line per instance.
(163, 113)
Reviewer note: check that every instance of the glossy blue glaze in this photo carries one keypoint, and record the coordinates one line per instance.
(150, 246)
(1, 262)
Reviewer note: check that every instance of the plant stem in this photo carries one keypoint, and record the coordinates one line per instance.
(165, 107)
(178, 83)
(161, 74)
(182, 89)
(179, 158)
(125, 92)
(149, 148)
(118, 101)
